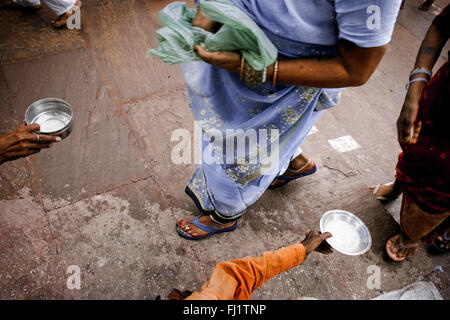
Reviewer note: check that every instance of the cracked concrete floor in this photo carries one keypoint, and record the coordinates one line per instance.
(106, 199)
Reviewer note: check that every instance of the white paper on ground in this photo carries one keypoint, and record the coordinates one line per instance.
(416, 291)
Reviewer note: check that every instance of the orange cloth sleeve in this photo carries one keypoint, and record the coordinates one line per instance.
(237, 279)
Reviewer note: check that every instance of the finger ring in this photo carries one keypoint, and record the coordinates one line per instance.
(38, 137)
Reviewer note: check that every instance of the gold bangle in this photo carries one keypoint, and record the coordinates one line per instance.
(275, 74)
(252, 77)
(242, 67)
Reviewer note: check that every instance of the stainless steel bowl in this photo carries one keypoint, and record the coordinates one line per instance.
(350, 235)
(54, 116)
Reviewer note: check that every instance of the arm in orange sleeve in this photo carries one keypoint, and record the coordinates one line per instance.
(237, 279)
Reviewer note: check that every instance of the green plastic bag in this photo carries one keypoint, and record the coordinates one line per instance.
(239, 33)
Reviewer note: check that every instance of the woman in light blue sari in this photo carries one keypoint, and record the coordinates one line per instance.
(323, 46)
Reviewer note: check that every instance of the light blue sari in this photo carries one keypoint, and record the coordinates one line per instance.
(223, 103)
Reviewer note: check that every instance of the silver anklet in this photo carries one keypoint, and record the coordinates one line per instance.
(221, 223)
(302, 168)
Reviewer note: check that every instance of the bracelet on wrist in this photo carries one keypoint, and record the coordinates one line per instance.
(250, 76)
(416, 80)
(420, 71)
(275, 74)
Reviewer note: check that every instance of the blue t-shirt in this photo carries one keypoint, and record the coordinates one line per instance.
(367, 23)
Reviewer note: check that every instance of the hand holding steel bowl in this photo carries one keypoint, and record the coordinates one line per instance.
(350, 235)
(23, 142)
(54, 116)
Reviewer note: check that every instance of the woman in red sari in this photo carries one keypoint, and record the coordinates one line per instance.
(423, 168)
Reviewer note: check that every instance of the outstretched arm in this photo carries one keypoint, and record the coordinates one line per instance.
(24, 141)
(237, 279)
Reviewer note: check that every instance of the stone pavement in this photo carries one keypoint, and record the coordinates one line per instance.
(106, 199)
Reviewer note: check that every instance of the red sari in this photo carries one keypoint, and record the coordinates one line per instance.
(424, 167)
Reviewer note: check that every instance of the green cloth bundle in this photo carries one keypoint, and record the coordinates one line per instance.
(238, 33)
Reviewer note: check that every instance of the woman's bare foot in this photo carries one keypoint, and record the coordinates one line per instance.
(9, 4)
(62, 19)
(439, 240)
(400, 247)
(192, 230)
(443, 243)
(387, 191)
(298, 165)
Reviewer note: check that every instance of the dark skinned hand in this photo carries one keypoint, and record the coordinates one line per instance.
(315, 241)
(228, 60)
(24, 141)
(223, 59)
(408, 128)
(201, 22)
